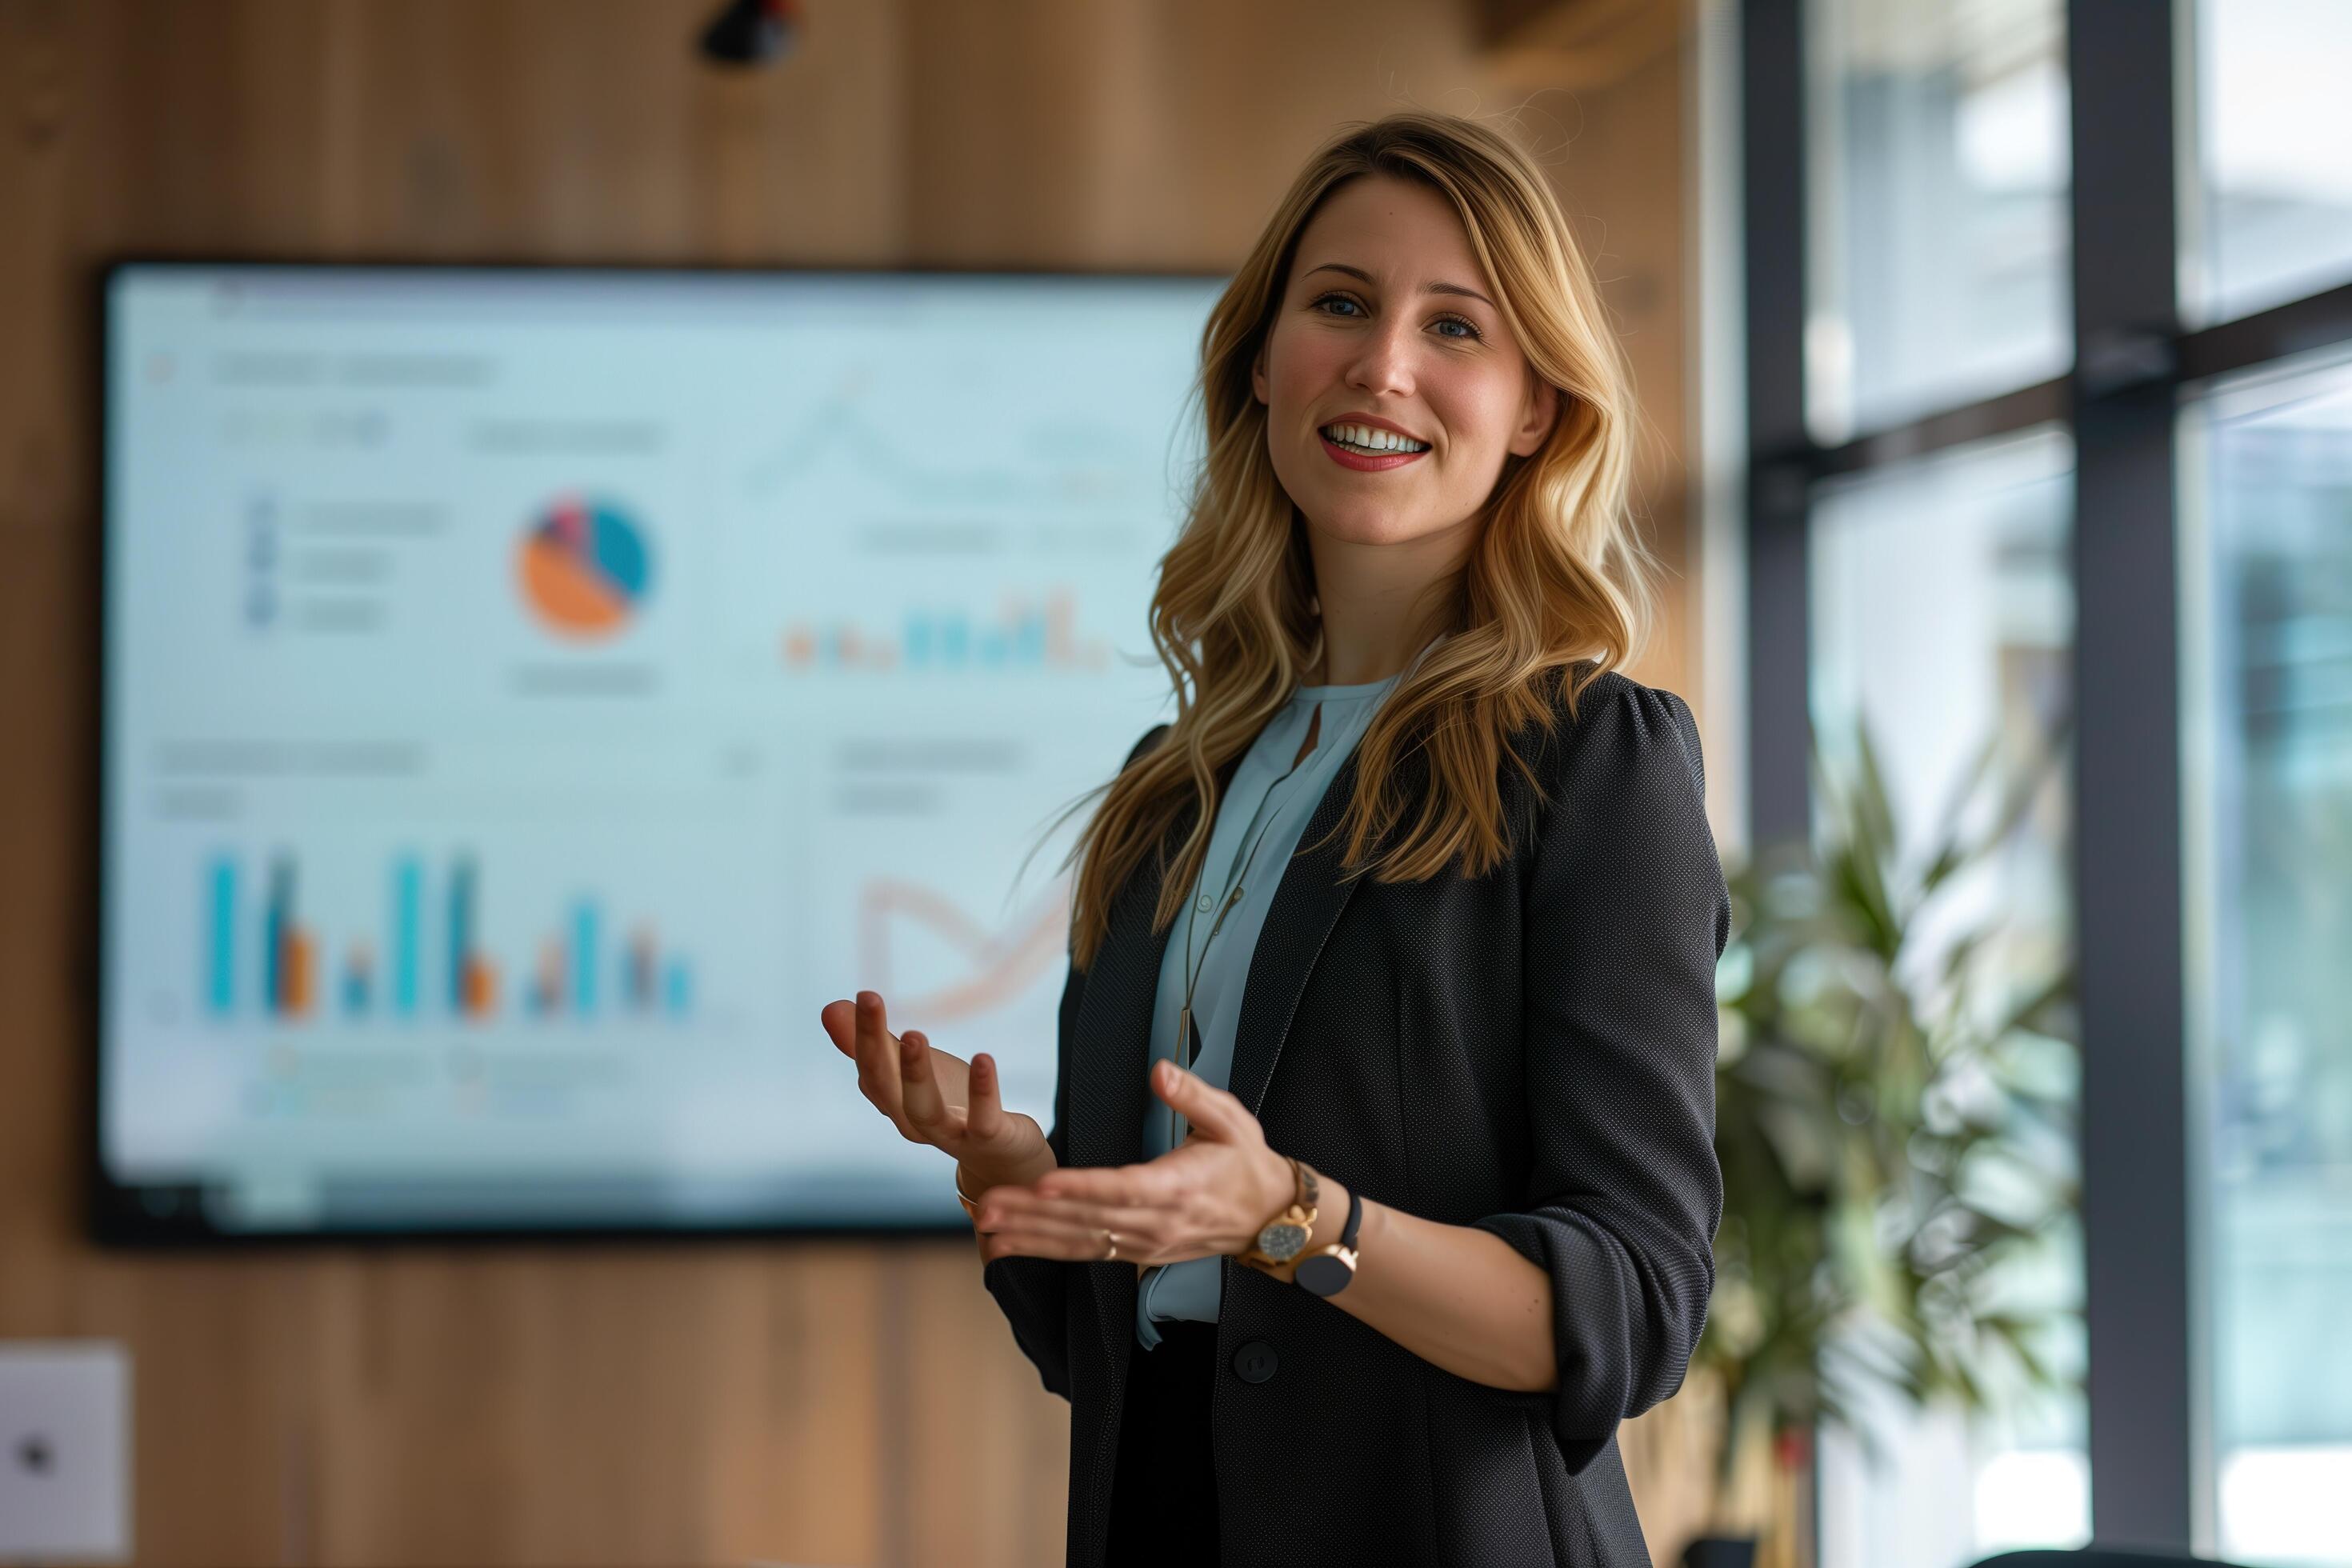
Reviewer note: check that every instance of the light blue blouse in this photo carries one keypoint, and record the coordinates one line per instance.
(1260, 800)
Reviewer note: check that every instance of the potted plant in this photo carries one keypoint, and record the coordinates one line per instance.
(1895, 1100)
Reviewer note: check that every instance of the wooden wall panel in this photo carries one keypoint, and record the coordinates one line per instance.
(817, 1402)
(1622, 179)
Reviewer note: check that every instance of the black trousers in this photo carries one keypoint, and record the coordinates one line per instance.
(1163, 1495)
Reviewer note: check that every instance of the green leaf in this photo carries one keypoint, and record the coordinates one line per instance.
(1894, 1138)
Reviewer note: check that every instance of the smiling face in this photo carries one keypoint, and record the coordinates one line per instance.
(1386, 313)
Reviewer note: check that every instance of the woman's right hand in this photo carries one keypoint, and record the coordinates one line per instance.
(934, 1097)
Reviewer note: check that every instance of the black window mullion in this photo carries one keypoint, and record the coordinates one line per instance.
(2127, 801)
(1772, 116)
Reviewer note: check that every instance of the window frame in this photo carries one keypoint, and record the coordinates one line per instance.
(2137, 364)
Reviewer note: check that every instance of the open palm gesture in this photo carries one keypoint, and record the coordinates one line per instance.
(931, 1096)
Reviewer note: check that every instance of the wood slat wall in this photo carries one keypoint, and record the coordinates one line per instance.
(812, 1403)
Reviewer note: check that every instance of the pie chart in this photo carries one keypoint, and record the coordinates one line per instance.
(584, 568)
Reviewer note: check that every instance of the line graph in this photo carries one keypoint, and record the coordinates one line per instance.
(1059, 473)
(1002, 965)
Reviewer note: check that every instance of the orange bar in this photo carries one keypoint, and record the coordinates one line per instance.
(481, 986)
(297, 972)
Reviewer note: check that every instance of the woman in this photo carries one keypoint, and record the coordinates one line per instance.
(1419, 1204)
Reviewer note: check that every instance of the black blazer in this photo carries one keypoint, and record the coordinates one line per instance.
(1531, 1052)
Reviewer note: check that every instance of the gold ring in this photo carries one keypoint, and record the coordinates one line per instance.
(1112, 1236)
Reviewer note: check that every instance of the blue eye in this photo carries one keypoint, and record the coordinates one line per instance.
(1469, 333)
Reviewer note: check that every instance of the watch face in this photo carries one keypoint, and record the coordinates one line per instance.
(1282, 1240)
(1323, 1274)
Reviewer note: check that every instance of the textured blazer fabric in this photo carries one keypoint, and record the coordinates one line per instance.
(1531, 1052)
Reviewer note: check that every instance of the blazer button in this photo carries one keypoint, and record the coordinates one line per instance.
(1255, 1362)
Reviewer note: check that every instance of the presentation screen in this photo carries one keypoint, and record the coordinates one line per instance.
(531, 695)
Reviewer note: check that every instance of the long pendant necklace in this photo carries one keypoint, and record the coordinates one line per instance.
(1187, 1041)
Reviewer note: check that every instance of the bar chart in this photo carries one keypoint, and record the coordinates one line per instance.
(263, 955)
(1024, 635)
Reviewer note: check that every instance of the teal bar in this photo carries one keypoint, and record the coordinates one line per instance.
(407, 919)
(223, 936)
(583, 958)
(280, 914)
(461, 932)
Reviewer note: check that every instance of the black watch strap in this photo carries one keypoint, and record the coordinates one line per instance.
(1321, 1273)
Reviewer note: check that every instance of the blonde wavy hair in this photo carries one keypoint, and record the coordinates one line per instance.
(1554, 592)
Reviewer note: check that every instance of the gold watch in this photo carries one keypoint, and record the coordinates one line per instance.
(1282, 1238)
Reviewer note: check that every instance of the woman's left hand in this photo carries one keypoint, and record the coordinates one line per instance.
(1209, 1195)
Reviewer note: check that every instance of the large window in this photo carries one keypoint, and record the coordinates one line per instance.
(2048, 338)
(2269, 212)
(1938, 205)
(2269, 510)
(1942, 626)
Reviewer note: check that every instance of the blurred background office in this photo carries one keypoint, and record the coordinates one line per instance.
(546, 541)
